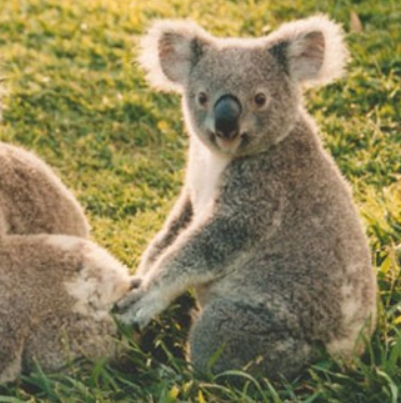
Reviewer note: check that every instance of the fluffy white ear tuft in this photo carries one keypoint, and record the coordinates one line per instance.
(315, 51)
(169, 50)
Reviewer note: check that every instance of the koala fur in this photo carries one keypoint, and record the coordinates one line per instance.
(265, 228)
(33, 200)
(56, 286)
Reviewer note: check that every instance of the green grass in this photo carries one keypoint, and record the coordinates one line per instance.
(75, 98)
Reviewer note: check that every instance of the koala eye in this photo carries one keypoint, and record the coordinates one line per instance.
(260, 99)
(202, 99)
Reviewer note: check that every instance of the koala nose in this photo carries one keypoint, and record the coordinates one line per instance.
(227, 111)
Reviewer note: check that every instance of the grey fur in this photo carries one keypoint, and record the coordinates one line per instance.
(56, 287)
(274, 247)
(179, 218)
(33, 200)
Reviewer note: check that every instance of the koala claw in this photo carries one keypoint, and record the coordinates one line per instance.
(125, 304)
(136, 282)
(141, 320)
(140, 307)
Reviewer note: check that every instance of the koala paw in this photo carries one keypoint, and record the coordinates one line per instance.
(139, 307)
(135, 283)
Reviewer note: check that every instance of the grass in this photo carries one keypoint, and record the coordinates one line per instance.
(76, 99)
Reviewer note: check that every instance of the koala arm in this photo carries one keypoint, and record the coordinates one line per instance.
(178, 219)
(201, 253)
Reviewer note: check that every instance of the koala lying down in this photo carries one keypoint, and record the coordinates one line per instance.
(265, 228)
(56, 290)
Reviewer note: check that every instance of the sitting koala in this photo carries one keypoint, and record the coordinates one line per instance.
(265, 228)
(56, 287)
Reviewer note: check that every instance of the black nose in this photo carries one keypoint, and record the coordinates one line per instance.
(227, 111)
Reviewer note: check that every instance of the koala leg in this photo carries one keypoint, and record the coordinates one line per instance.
(232, 336)
(60, 341)
(10, 358)
(10, 365)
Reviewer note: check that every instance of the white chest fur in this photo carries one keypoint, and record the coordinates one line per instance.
(203, 175)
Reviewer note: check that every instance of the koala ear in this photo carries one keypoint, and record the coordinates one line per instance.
(312, 49)
(169, 51)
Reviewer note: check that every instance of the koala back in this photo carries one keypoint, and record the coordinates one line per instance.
(33, 200)
(305, 255)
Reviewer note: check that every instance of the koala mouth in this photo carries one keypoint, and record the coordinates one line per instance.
(212, 137)
(229, 145)
(245, 139)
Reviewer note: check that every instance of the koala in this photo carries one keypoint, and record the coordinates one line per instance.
(57, 288)
(265, 229)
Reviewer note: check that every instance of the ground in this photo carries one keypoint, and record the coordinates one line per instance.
(75, 97)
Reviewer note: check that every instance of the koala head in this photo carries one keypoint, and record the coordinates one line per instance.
(240, 96)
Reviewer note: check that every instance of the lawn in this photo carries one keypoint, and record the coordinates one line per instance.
(74, 96)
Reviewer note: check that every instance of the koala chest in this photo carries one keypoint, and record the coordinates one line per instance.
(205, 170)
